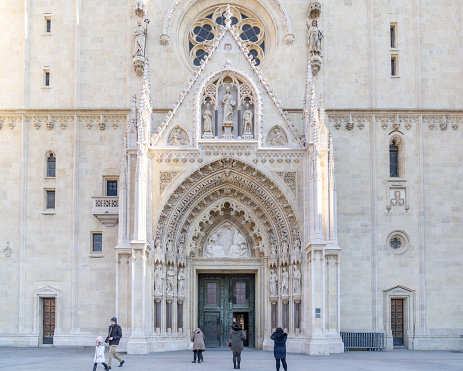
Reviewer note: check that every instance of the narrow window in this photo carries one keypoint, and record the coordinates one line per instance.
(241, 293)
(97, 242)
(111, 188)
(47, 23)
(50, 199)
(51, 166)
(47, 77)
(394, 159)
(393, 36)
(212, 293)
(394, 66)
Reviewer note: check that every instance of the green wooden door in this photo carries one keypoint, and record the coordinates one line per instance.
(224, 298)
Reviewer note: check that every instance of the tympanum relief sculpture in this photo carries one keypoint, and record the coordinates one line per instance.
(226, 242)
(178, 137)
(227, 109)
(277, 137)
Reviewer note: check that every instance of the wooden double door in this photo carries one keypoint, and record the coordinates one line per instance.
(224, 299)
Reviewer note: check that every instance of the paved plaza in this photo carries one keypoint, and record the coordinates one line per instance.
(81, 359)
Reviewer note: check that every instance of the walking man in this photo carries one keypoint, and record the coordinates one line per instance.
(114, 335)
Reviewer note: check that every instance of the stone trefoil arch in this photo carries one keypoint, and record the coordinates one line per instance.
(165, 37)
(227, 179)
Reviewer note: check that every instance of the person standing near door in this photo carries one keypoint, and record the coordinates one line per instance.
(279, 348)
(114, 335)
(198, 345)
(236, 343)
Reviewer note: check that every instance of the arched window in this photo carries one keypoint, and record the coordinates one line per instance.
(51, 166)
(393, 159)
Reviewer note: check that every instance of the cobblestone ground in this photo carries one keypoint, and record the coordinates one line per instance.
(81, 359)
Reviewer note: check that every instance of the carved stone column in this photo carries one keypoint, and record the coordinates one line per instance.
(333, 302)
(138, 341)
(317, 343)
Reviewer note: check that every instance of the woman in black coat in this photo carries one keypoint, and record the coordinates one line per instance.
(236, 343)
(279, 347)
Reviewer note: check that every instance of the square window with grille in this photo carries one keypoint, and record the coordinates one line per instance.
(97, 242)
(50, 199)
(212, 293)
(111, 188)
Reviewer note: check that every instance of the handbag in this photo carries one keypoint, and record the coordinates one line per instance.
(191, 345)
(229, 345)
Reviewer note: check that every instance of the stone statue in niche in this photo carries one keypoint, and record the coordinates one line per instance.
(207, 116)
(170, 280)
(181, 282)
(284, 282)
(158, 278)
(315, 37)
(140, 34)
(273, 283)
(277, 137)
(247, 123)
(178, 138)
(228, 104)
(297, 280)
(226, 242)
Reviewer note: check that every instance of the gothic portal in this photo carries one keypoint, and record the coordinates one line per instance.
(243, 221)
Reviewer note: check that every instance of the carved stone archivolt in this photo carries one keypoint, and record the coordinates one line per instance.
(240, 194)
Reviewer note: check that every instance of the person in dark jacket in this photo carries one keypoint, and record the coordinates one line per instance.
(114, 335)
(236, 343)
(198, 345)
(279, 347)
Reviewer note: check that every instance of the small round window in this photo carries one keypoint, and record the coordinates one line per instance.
(206, 27)
(398, 242)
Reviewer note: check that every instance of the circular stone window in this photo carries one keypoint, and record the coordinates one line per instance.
(207, 25)
(398, 242)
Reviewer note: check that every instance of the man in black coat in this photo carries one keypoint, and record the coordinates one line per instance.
(114, 335)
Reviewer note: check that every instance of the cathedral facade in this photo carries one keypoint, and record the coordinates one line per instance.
(275, 163)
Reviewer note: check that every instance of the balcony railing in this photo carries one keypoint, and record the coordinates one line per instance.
(106, 210)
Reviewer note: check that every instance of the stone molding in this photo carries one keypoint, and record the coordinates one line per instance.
(395, 121)
(54, 120)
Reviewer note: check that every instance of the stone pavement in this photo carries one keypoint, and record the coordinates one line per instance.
(81, 359)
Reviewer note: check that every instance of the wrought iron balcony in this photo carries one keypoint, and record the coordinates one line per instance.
(106, 210)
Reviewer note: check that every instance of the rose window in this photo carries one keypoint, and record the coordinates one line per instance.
(206, 28)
